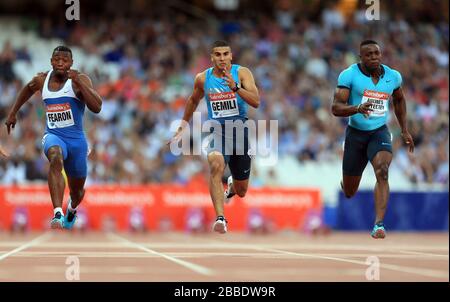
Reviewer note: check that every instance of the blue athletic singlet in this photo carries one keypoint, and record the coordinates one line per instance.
(64, 116)
(362, 89)
(223, 104)
(64, 112)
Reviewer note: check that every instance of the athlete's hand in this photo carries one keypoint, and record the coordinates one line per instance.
(11, 121)
(365, 109)
(407, 138)
(228, 78)
(176, 137)
(3, 152)
(73, 74)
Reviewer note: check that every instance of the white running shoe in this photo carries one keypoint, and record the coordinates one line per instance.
(227, 195)
(220, 225)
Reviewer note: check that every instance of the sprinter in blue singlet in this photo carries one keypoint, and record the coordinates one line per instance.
(228, 90)
(65, 93)
(363, 93)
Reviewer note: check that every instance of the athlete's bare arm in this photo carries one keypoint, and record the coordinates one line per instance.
(340, 106)
(192, 103)
(193, 100)
(400, 112)
(23, 96)
(249, 91)
(83, 87)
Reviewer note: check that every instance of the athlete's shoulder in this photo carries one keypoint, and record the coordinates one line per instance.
(351, 68)
(83, 75)
(202, 75)
(393, 73)
(345, 78)
(241, 68)
(388, 70)
(200, 78)
(41, 76)
(38, 81)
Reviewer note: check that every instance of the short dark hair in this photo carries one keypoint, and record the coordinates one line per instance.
(220, 43)
(62, 48)
(367, 42)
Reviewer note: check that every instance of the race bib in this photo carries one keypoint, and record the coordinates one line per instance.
(378, 101)
(59, 116)
(223, 104)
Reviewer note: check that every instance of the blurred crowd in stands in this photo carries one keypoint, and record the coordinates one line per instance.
(295, 55)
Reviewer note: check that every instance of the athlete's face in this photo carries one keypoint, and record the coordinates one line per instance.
(221, 57)
(370, 55)
(61, 62)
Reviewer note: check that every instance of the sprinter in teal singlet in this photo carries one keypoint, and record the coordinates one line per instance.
(363, 93)
(228, 90)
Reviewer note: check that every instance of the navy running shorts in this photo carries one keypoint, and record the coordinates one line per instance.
(361, 146)
(74, 151)
(235, 150)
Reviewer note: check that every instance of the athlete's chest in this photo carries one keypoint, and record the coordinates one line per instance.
(55, 86)
(376, 93)
(222, 104)
(384, 84)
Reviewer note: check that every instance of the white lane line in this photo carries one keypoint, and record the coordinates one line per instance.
(194, 267)
(404, 269)
(53, 269)
(201, 254)
(423, 254)
(225, 245)
(35, 241)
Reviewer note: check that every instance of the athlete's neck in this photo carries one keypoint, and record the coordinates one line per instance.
(375, 72)
(59, 77)
(218, 72)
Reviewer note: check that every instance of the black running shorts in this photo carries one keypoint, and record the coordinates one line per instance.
(361, 146)
(235, 150)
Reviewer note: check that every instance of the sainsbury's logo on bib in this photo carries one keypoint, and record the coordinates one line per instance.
(221, 96)
(59, 116)
(223, 104)
(378, 102)
(376, 94)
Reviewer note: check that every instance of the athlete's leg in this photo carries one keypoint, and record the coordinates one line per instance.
(56, 183)
(380, 163)
(76, 186)
(240, 166)
(354, 161)
(56, 151)
(240, 187)
(76, 170)
(350, 185)
(379, 151)
(217, 166)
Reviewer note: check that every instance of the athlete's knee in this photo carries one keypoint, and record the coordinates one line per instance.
(55, 158)
(240, 191)
(216, 167)
(350, 193)
(382, 172)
